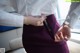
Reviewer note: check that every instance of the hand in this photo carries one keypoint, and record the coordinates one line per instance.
(35, 20)
(63, 34)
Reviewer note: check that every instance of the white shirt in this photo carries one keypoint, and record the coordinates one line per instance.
(36, 7)
(24, 8)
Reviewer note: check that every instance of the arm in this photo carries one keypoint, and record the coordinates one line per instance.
(8, 19)
(72, 17)
(73, 14)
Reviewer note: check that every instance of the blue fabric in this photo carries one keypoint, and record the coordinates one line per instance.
(7, 28)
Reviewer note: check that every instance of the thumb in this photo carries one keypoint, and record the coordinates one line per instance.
(43, 16)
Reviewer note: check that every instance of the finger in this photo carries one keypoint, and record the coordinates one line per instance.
(57, 36)
(60, 28)
(43, 17)
(39, 23)
(61, 36)
(66, 38)
(57, 39)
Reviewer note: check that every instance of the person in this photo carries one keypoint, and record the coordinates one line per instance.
(39, 40)
(30, 15)
(73, 14)
(11, 20)
(9, 16)
(46, 38)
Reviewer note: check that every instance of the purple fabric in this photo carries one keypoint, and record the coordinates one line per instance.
(36, 39)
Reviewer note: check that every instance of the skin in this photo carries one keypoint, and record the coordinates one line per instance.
(34, 20)
(63, 34)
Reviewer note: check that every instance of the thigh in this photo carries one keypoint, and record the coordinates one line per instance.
(47, 49)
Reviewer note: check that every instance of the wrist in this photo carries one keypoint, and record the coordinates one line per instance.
(66, 23)
(26, 20)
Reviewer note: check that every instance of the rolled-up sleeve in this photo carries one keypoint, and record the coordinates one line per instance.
(9, 19)
(73, 14)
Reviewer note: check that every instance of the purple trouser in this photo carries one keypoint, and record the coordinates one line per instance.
(36, 39)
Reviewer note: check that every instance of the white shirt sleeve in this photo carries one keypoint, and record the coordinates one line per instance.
(73, 16)
(9, 19)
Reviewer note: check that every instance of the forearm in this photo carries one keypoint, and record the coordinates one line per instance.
(71, 20)
(73, 16)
